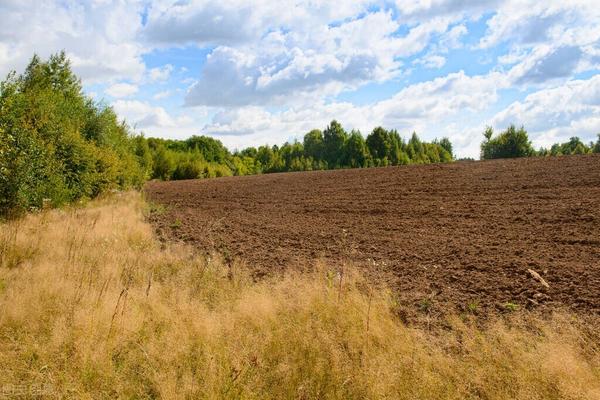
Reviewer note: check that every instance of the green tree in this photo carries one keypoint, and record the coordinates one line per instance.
(446, 145)
(596, 148)
(211, 149)
(511, 143)
(379, 143)
(334, 139)
(416, 150)
(355, 152)
(314, 145)
(58, 145)
(574, 146)
(164, 164)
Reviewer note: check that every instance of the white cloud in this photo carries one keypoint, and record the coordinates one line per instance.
(160, 73)
(157, 121)
(119, 90)
(546, 64)
(101, 47)
(423, 9)
(235, 22)
(431, 61)
(143, 115)
(290, 67)
(555, 114)
(549, 40)
(162, 95)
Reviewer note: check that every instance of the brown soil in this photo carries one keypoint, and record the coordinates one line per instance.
(460, 235)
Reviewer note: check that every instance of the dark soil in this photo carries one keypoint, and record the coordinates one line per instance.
(448, 236)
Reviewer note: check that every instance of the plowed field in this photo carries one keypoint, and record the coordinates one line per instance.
(460, 235)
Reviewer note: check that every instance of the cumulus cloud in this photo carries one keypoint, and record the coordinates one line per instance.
(548, 40)
(119, 90)
(235, 22)
(431, 61)
(555, 114)
(160, 74)
(100, 46)
(440, 98)
(143, 115)
(430, 8)
(546, 64)
(286, 67)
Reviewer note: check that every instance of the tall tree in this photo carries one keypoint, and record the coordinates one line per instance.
(356, 152)
(379, 143)
(334, 139)
(314, 145)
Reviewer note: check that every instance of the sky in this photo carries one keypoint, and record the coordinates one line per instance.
(265, 72)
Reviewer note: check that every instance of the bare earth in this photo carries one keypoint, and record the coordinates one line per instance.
(442, 235)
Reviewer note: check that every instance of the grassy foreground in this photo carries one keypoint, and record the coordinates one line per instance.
(93, 306)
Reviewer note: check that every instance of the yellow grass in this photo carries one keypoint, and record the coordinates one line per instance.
(92, 306)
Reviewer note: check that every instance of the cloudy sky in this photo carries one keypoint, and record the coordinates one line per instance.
(268, 71)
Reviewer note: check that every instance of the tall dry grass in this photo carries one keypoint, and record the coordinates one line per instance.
(93, 306)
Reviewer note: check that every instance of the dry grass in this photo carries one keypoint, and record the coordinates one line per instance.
(91, 306)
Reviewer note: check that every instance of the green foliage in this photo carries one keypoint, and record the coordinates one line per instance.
(380, 143)
(596, 148)
(356, 152)
(573, 146)
(313, 144)
(58, 146)
(334, 139)
(446, 145)
(204, 157)
(511, 143)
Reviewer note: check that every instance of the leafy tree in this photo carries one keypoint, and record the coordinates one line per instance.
(573, 146)
(356, 152)
(379, 143)
(164, 164)
(596, 148)
(212, 150)
(416, 150)
(334, 139)
(511, 143)
(314, 144)
(446, 145)
(58, 145)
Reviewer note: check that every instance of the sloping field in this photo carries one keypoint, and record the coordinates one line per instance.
(461, 235)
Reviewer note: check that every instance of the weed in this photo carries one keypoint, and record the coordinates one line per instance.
(473, 306)
(425, 305)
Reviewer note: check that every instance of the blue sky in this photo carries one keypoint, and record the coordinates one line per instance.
(251, 73)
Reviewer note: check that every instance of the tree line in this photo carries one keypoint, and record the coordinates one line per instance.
(332, 148)
(513, 143)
